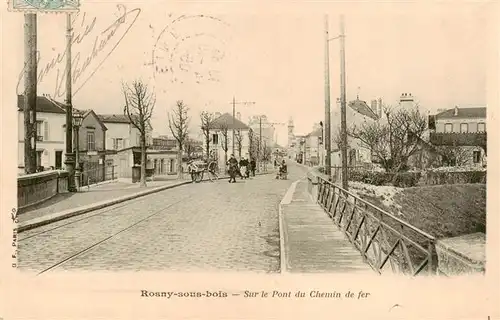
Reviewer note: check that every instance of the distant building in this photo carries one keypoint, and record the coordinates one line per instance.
(464, 128)
(357, 113)
(218, 125)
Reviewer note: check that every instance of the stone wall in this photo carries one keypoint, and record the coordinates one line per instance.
(462, 255)
(38, 187)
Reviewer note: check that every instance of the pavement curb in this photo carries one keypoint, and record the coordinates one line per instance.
(287, 199)
(38, 222)
(66, 214)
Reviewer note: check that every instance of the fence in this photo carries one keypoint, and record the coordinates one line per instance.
(381, 238)
(98, 174)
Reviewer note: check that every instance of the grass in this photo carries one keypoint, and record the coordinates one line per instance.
(441, 210)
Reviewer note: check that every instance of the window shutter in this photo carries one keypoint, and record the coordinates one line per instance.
(46, 132)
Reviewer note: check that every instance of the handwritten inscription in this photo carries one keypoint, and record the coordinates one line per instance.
(185, 54)
(85, 64)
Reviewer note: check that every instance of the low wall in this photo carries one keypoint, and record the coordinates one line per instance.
(38, 187)
(462, 255)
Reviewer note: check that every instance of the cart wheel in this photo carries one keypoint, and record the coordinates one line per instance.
(199, 177)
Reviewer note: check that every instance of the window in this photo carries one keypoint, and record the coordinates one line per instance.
(46, 131)
(118, 144)
(39, 132)
(464, 127)
(215, 138)
(481, 127)
(448, 127)
(90, 141)
(476, 156)
(39, 158)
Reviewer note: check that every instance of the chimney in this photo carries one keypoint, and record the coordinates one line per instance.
(456, 111)
(380, 108)
(374, 106)
(406, 100)
(238, 116)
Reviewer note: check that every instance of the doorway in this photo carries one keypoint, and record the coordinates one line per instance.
(58, 160)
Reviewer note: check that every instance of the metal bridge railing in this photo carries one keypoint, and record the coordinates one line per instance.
(382, 239)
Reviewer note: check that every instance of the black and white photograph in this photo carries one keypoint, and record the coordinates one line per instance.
(151, 137)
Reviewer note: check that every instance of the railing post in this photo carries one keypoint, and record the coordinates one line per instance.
(113, 173)
(430, 255)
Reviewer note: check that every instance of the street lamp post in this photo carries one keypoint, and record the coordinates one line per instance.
(77, 122)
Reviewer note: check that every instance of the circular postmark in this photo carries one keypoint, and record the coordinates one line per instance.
(191, 49)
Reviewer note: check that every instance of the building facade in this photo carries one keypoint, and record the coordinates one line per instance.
(50, 135)
(226, 123)
(464, 131)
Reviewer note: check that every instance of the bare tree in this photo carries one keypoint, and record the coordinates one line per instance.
(454, 155)
(225, 139)
(251, 143)
(189, 148)
(206, 122)
(393, 139)
(139, 105)
(239, 141)
(178, 123)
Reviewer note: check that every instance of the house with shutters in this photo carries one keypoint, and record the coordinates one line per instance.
(224, 125)
(50, 133)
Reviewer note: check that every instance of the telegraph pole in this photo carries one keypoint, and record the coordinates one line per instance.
(343, 124)
(327, 141)
(234, 110)
(30, 92)
(234, 115)
(260, 138)
(70, 156)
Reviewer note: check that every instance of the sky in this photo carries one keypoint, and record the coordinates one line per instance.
(273, 58)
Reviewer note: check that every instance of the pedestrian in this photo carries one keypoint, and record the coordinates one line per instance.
(253, 166)
(243, 167)
(233, 168)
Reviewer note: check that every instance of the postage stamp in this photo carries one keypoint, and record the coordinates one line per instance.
(44, 5)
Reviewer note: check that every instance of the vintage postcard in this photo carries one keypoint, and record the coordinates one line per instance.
(249, 160)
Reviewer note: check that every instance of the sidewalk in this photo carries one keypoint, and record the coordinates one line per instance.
(310, 242)
(94, 194)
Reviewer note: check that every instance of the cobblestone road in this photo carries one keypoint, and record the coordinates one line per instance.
(198, 227)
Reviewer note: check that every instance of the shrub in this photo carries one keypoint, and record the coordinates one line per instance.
(452, 177)
(406, 179)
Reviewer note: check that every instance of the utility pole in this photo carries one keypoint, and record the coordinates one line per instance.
(343, 124)
(260, 139)
(234, 103)
(234, 109)
(30, 92)
(70, 156)
(327, 141)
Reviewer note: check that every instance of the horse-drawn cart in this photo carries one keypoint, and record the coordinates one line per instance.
(197, 169)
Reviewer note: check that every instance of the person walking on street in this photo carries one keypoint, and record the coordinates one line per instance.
(253, 166)
(233, 168)
(243, 167)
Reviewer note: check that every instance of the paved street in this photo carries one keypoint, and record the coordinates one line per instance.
(197, 227)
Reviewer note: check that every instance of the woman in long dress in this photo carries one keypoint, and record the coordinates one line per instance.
(233, 168)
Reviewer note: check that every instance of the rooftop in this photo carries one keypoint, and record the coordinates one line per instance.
(227, 120)
(43, 104)
(114, 118)
(463, 113)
